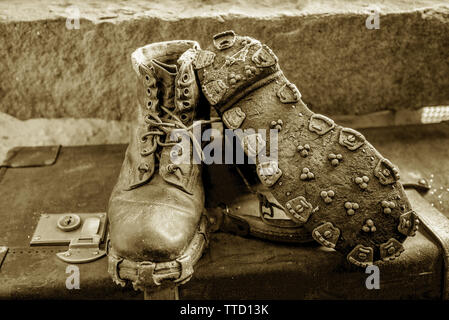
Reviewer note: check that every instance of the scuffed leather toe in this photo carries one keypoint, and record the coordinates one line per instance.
(150, 232)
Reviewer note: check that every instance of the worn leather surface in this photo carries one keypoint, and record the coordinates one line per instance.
(422, 152)
(315, 187)
(239, 212)
(233, 267)
(81, 180)
(238, 192)
(155, 221)
(156, 205)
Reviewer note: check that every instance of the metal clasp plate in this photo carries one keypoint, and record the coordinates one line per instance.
(82, 231)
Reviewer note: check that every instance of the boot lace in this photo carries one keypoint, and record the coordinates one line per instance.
(159, 129)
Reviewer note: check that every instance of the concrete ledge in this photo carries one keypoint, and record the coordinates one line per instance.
(66, 132)
(340, 67)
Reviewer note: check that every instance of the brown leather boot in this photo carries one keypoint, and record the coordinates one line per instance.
(326, 177)
(238, 204)
(236, 201)
(157, 228)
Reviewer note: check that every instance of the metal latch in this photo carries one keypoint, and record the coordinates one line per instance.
(83, 232)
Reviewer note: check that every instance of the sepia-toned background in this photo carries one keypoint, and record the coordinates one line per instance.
(76, 86)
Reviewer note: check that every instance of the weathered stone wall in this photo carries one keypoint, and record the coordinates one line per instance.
(340, 67)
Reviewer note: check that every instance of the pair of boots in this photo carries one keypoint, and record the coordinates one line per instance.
(326, 178)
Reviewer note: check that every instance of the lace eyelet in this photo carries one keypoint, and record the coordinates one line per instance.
(144, 167)
(171, 168)
(184, 117)
(149, 81)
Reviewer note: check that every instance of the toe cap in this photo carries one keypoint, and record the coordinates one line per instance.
(150, 232)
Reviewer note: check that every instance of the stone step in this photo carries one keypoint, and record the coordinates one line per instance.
(340, 66)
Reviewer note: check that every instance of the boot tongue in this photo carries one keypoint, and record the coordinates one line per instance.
(166, 74)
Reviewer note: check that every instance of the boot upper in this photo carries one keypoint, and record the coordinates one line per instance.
(326, 177)
(156, 205)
